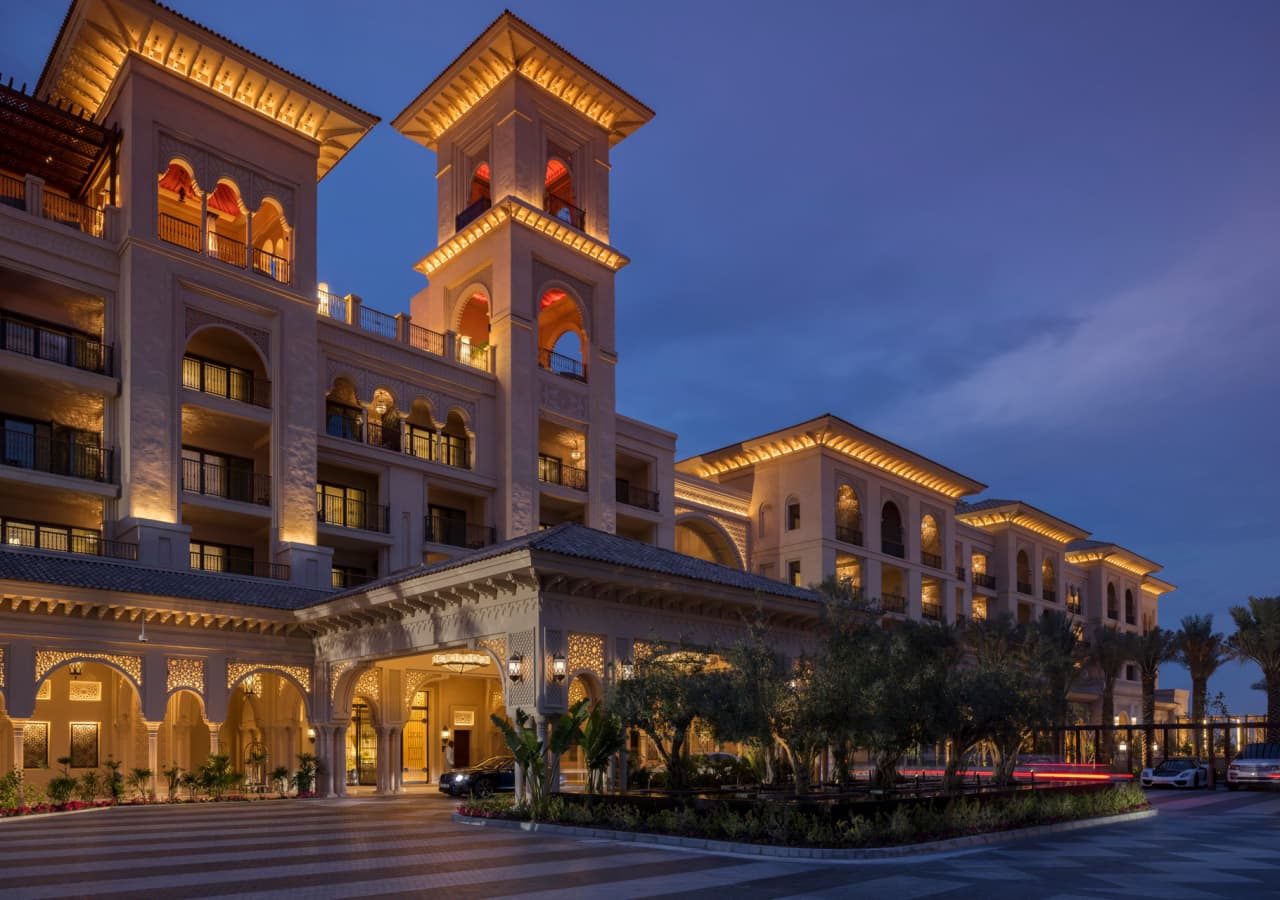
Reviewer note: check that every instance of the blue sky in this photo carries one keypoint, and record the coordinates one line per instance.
(1037, 242)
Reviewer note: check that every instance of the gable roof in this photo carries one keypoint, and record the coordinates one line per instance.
(580, 542)
(44, 567)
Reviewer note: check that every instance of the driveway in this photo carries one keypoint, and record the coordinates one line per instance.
(1201, 845)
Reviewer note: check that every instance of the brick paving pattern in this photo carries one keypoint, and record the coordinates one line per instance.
(1203, 845)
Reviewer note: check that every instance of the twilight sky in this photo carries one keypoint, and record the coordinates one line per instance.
(1037, 242)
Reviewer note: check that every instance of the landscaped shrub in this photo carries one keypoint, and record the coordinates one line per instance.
(786, 825)
(90, 786)
(61, 787)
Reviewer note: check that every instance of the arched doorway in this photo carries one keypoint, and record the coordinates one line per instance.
(266, 725)
(362, 744)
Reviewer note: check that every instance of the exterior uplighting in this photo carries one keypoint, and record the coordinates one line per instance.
(515, 667)
(559, 667)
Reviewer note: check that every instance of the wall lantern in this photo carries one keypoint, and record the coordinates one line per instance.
(1123, 747)
(515, 667)
(444, 734)
(76, 669)
(628, 669)
(311, 734)
(559, 667)
(251, 686)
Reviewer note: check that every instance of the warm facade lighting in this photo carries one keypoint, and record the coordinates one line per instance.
(559, 667)
(515, 667)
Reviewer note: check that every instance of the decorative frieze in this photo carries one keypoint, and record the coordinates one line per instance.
(336, 671)
(414, 680)
(185, 672)
(238, 670)
(495, 645)
(48, 660)
(2, 666)
(85, 691)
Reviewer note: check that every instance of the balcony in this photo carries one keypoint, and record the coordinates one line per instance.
(341, 579)
(893, 603)
(1073, 604)
(625, 492)
(560, 364)
(191, 236)
(474, 355)
(471, 213)
(1024, 587)
(350, 513)
(933, 560)
(458, 533)
(893, 548)
(331, 306)
(553, 471)
(931, 609)
(75, 454)
(849, 535)
(426, 340)
(277, 268)
(88, 219)
(565, 211)
(1049, 595)
(178, 232)
(216, 480)
(206, 560)
(219, 379)
(377, 322)
(44, 340)
(61, 539)
(983, 580)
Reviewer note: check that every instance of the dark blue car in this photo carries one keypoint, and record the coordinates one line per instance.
(495, 775)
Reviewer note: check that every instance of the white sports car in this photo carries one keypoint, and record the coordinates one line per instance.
(1181, 772)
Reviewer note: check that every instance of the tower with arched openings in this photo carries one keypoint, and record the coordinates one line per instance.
(524, 268)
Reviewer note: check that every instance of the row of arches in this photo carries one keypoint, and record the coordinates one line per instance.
(559, 196)
(561, 328)
(216, 221)
(1113, 605)
(381, 421)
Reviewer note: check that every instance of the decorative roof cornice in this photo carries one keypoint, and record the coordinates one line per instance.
(98, 36)
(512, 46)
(991, 515)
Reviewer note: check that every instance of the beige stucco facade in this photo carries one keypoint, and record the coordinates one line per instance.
(250, 508)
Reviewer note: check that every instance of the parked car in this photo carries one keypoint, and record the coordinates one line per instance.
(496, 774)
(1256, 764)
(1181, 771)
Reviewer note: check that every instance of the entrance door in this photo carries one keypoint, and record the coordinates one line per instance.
(461, 748)
(415, 740)
(362, 746)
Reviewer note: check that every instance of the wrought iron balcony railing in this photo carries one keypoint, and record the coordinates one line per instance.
(849, 535)
(983, 580)
(561, 364)
(553, 471)
(44, 340)
(216, 480)
(455, 533)
(894, 603)
(933, 560)
(205, 560)
(626, 492)
(1024, 587)
(209, 376)
(58, 539)
(565, 211)
(348, 513)
(74, 455)
(893, 548)
(931, 609)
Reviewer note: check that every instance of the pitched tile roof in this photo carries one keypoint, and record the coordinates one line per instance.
(42, 567)
(581, 542)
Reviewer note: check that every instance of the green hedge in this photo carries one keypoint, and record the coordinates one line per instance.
(782, 825)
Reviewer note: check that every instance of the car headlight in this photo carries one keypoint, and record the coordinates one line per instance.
(461, 779)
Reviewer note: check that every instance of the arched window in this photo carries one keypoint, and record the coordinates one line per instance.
(272, 237)
(1024, 573)
(562, 336)
(1130, 615)
(455, 442)
(478, 197)
(178, 207)
(766, 520)
(891, 533)
(930, 541)
(344, 417)
(227, 225)
(479, 183)
(384, 422)
(1048, 581)
(561, 201)
(848, 515)
(1113, 606)
(473, 331)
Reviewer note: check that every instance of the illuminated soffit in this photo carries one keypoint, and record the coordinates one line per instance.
(841, 437)
(98, 36)
(510, 46)
(512, 209)
(1023, 516)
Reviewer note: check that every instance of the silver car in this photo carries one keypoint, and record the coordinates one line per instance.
(1256, 764)
(1180, 772)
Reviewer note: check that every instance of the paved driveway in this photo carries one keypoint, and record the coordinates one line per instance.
(1202, 845)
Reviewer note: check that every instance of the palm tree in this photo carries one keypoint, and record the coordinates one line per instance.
(1257, 638)
(1109, 650)
(1202, 651)
(1057, 653)
(1152, 650)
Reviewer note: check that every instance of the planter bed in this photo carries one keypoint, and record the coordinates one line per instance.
(832, 825)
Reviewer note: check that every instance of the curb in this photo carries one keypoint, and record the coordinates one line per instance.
(819, 853)
(30, 817)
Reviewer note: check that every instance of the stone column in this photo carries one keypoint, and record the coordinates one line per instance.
(340, 761)
(213, 736)
(396, 762)
(153, 753)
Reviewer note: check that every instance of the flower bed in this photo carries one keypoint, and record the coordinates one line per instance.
(41, 808)
(790, 826)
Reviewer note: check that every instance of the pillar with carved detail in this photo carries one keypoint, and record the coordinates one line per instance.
(340, 760)
(153, 753)
(213, 736)
(19, 726)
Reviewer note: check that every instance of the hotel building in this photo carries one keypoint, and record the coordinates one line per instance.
(243, 509)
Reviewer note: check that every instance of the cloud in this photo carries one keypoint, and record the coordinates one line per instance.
(1202, 323)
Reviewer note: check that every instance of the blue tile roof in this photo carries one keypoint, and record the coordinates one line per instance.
(581, 542)
(42, 567)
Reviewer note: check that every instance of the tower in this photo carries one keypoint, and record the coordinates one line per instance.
(523, 274)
